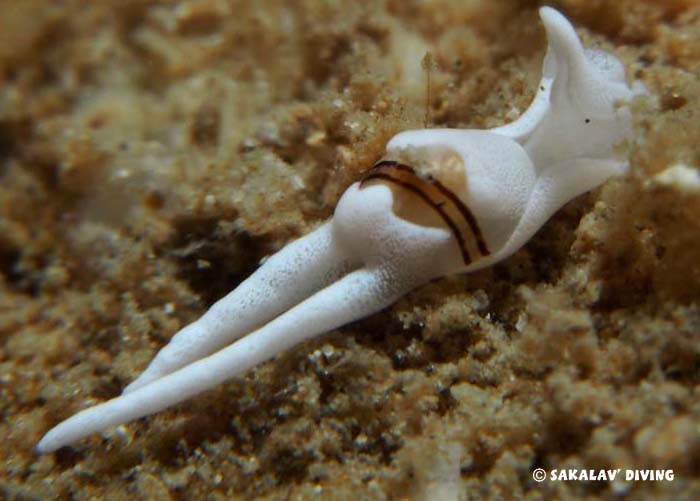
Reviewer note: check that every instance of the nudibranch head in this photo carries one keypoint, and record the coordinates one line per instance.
(584, 116)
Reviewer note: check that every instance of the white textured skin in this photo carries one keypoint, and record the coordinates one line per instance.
(500, 178)
(518, 175)
(293, 274)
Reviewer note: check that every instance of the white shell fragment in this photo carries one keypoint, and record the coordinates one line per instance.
(441, 201)
(680, 177)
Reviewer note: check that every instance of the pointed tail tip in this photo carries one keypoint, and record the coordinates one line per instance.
(64, 433)
(46, 445)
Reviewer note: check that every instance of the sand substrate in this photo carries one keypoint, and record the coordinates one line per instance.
(152, 153)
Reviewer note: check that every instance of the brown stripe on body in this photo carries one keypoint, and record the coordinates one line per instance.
(466, 214)
(451, 209)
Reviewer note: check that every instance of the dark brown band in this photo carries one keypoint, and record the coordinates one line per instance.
(453, 212)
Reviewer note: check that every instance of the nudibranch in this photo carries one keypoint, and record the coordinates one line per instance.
(441, 201)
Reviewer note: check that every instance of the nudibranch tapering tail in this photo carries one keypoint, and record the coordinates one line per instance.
(441, 201)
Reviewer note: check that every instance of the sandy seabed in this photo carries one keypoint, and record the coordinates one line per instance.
(152, 153)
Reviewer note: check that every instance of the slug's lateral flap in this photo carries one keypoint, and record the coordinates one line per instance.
(521, 129)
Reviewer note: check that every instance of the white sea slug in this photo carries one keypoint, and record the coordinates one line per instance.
(441, 201)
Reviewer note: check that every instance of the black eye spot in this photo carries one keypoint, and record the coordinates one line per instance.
(541, 87)
(588, 120)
